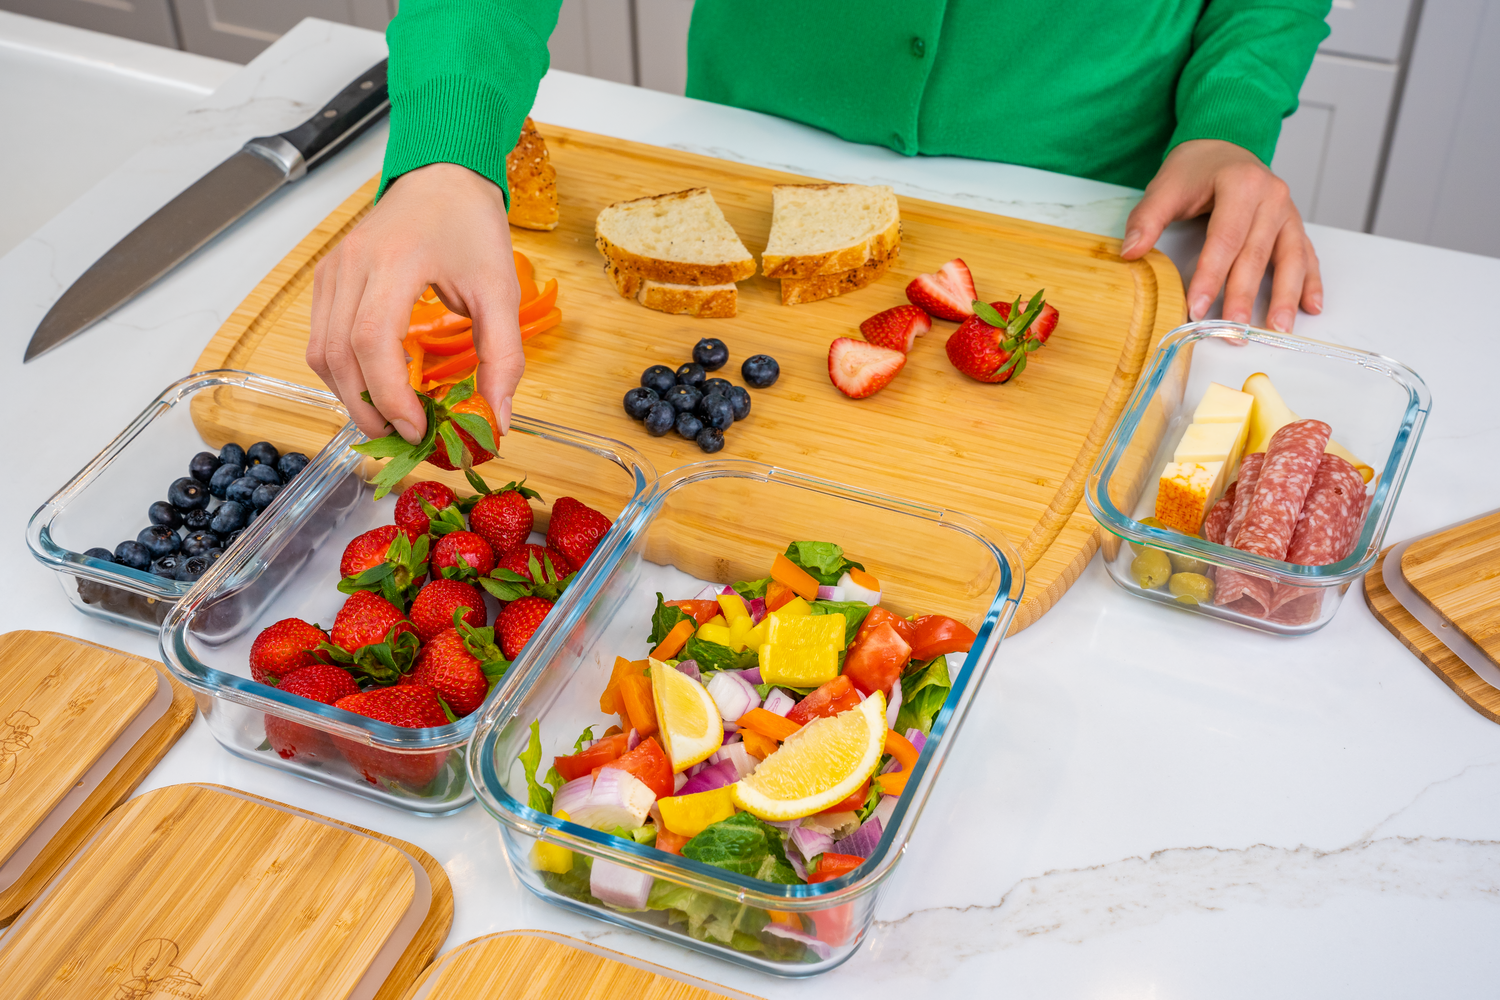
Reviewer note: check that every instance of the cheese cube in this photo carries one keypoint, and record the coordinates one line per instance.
(1211, 442)
(1187, 492)
(1223, 405)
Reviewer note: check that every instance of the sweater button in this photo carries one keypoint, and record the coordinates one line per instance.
(918, 46)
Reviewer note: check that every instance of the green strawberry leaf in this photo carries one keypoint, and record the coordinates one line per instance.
(446, 710)
(457, 393)
(989, 314)
(509, 576)
(505, 590)
(384, 447)
(477, 481)
(479, 429)
(453, 445)
(1021, 320)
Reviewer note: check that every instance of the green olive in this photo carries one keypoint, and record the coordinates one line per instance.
(1151, 569)
(1187, 564)
(1191, 588)
(1149, 522)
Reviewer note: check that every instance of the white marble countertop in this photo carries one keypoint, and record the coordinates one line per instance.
(1142, 804)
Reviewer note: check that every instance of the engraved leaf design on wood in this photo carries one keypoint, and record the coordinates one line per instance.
(152, 962)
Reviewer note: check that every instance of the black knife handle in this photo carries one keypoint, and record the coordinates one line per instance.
(354, 109)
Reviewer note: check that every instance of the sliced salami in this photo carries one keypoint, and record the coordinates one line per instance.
(1216, 523)
(1326, 530)
(1244, 494)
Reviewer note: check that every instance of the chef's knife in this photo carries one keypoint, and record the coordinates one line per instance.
(208, 207)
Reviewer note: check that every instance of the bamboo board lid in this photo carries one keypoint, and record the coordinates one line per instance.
(540, 965)
(1458, 572)
(197, 891)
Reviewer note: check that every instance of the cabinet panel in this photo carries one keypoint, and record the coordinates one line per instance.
(1371, 29)
(594, 38)
(238, 30)
(661, 39)
(143, 20)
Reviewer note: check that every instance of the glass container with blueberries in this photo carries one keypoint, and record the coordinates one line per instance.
(698, 407)
(135, 529)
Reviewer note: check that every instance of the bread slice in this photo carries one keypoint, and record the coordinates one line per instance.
(532, 180)
(678, 239)
(797, 291)
(829, 228)
(702, 301)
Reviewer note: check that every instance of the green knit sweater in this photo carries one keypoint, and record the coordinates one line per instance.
(1094, 88)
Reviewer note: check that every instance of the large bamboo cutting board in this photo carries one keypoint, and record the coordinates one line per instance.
(1458, 571)
(202, 892)
(1015, 455)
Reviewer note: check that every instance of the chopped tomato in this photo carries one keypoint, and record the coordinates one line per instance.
(880, 616)
(757, 745)
(702, 611)
(833, 925)
(876, 659)
(768, 724)
(669, 841)
(648, 763)
(784, 571)
(832, 698)
(939, 634)
(672, 643)
(831, 866)
(853, 803)
(541, 305)
(635, 696)
(601, 752)
(778, 595)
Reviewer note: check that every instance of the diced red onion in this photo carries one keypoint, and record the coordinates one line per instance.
(916, 738)
(831, 594)
(862, 842)
(730, 729)
(573, 795)
(752, 675)
(733, 695)
(693, 769)
(854, 592)
(690, 667)
(619, 886)
(884, 808)
(894, 708)
(819, 947)
(784, 825)
(727, 591)
(811, 842)
(633, 740)
(757, 610)
(711, 777)
(678, 780)
(738, 756)
(778, 702)
(797, 865)
(618, 798)
(708, 593)
(731, 737)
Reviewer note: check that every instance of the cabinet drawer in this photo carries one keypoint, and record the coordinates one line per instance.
(1372, 29)
(143, 20)
(238, 30)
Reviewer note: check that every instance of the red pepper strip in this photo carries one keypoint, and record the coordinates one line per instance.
(901, 748)
(447, 345)
(414, 366)
(542, 304)
(547, 322)
(831, 866)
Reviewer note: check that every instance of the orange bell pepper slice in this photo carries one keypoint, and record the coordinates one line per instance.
(778, 595)
(672, 643)
(609, 702)
(547, 322)
(525, 275)
(457, 363)
(757, 745)
(414, 365)
(433, 319)
(783, 570)
(671, 842)
(758, 720)
(455, 343)
(901, 748)
(540, 306)
(635, 693)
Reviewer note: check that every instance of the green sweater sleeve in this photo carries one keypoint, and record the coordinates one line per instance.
(471, 62)
(1249, 59)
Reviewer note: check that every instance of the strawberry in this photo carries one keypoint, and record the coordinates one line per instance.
(518, 622)
(323, 683)
(432, 611)
(371, 636)
(993, 344)
(897, 328)
(504, 516)
(425, 507)
(461, 665)
(412, 706)
(530, 569)
(462, 555)
(461, 432)
(948, 293)
(858, 369)
(385, 561)
(284, 647)
(575, 530)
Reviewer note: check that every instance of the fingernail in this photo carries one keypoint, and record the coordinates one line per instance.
(504, 416)
(1317, 303)
(1199, 307)
(1281, 322)
(406, 430)
(1131, 239)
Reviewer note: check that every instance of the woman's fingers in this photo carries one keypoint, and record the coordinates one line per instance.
(378, 331)
(1312, 285)
(1228, 227)
(1165, 201)
(1296, 270)
(1249, 266)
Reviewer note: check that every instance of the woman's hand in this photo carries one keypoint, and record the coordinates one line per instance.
(441, 225)
(1253, 223)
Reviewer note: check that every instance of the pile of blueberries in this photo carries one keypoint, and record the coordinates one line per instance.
(245, 480)
(698, 407)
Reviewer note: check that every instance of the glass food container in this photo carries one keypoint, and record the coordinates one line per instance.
(106, 502)
(1375, 406)
(288, 567)
(717, 522)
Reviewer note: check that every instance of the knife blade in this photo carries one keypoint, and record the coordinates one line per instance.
(208, 207)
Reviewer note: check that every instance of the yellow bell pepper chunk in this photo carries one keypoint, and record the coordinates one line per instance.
(719, 620)
(552, 858)
(810, 630)
(714, 633)
(734, 607)
(795, 608)
(756, 637)
(798, 666)
(739, 628)
(690, 815)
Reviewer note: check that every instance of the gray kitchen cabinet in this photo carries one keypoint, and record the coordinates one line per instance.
(661, 28)
(1368, 29)
(595, 38)
(238, 30)
(143, 20)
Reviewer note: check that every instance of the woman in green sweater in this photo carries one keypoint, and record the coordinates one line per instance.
(1182, 97)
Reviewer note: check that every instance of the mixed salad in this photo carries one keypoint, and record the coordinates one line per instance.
(769, 730)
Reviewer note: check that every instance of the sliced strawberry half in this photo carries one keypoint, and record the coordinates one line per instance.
(897, 328)
(947, 293)
(859, 369)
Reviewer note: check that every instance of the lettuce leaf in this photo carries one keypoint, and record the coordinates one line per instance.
(538, 797)
(584, 739)
(854, 613)
(751, 589)
(665, 618)
(923, 692)
(745, 845)
(823, 560)
(711, 656)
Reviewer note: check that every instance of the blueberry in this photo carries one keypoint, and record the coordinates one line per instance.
(223, 476)
(213, 555)
(711, 439)
(239, 491)
(232, 537)
(104, 555)
(290, 464)
(230, 518)
(167, 566)
(162, 512)
(159, 540)
(719, 385)
(232, 454)
(199, 542)
(262, 453)
(202, 466)
(739, 398)
(692, 374)
(187, 494)
(192, 567)
(711, 353)
(133, 554)
(638, 402)
(661, 418)
(684, 398)
(263, 495)
(658, 378)
(197, 520)
(716, 411)
(264, 474)
(688, 425)
(760, 371)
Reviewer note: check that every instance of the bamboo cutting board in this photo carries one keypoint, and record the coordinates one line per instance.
(80, 726)
(1458, 572)
(540, 965)
(1015, 455)
(201, 892)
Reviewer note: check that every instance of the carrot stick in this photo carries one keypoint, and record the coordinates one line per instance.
(672, 643)
(767, 724)
(785, 571)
